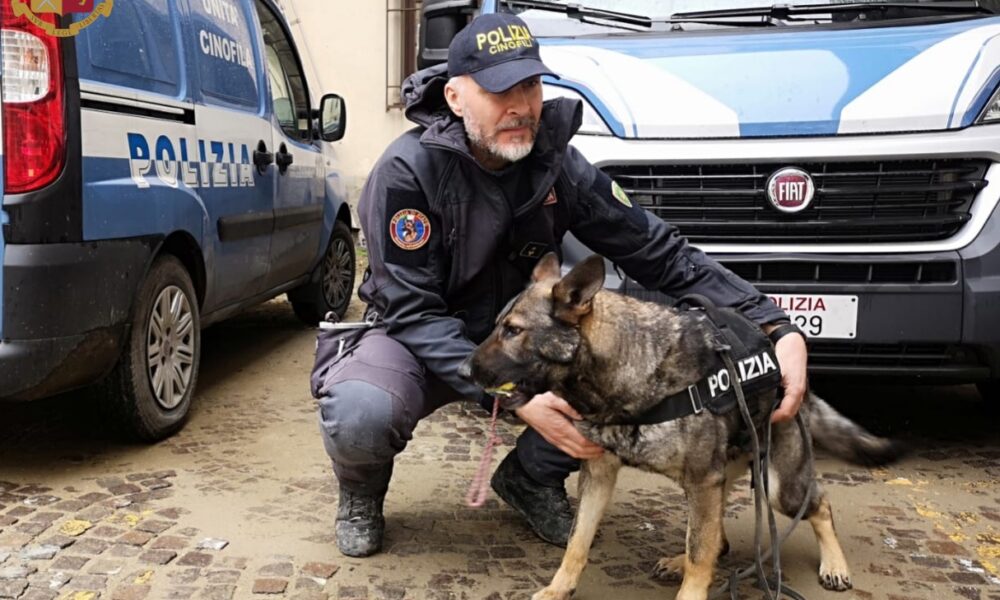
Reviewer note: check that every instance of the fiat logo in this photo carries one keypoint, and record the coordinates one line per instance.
(790, 190)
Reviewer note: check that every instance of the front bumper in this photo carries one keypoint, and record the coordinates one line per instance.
(65, 313)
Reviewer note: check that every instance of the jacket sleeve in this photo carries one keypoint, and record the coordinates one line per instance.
(651, 251)
(409, 275)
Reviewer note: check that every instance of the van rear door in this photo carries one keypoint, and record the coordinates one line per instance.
(3, 214)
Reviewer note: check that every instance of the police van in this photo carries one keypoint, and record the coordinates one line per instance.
(164, 166)
(843, 157)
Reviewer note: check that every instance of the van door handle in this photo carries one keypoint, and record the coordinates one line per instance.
(283, 158)
(261, 157)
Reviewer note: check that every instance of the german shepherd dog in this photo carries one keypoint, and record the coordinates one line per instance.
(613, 357)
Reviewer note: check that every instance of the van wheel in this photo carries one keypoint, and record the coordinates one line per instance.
(148, 394)
(333, 291)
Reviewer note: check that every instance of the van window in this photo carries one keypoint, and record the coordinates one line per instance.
(225, 51)
(136, 47)
(289, 92)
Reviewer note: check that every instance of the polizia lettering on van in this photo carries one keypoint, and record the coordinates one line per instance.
(214, 166)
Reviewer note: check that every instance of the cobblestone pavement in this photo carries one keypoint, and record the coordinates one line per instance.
(241, 503)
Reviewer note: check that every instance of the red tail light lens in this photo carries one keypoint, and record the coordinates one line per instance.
(33, 101)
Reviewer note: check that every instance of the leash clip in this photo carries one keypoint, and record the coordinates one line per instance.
(695, 396)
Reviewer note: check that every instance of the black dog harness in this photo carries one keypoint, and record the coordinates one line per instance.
(751, 352)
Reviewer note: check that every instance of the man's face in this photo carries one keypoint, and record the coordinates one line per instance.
(502, 126)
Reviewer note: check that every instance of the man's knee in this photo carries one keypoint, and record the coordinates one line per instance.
(360, 424)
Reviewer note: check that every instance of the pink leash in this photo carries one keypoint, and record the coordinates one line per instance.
(480, 482)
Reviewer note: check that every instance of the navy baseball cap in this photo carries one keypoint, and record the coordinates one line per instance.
(498, 51)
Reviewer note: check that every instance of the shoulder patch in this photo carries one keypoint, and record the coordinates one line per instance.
(620, 195)
(407, 228)
(410, 229)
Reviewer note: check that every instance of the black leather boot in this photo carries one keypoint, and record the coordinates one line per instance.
(546, 508)
(360, 524)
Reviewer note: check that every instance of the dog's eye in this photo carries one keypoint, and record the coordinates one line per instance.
(511, 330)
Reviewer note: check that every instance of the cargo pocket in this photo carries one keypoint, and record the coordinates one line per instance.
(332, 347)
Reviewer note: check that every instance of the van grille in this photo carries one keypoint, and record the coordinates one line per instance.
(855, 202)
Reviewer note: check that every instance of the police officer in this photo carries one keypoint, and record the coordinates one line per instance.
(456, 213)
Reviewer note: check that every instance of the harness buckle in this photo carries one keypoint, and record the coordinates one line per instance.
(695, 396)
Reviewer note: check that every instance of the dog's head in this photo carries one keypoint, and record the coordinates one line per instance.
(538, 336)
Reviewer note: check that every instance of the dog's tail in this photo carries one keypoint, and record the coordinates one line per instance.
(847, 440)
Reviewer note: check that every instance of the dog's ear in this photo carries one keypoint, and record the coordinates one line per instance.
(572, 296)
(547, 268)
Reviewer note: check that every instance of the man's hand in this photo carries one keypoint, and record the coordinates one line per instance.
(550, 416)
(791, 353)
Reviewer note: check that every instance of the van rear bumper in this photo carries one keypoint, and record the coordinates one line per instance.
(65, 311)
(31, 369)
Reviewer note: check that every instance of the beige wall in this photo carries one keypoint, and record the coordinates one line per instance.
(343, 43)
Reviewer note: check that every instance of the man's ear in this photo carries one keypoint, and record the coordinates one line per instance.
(452, 92)
(547, 268)
(572, 297)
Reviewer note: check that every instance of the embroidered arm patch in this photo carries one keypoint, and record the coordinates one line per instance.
(407, 228)
(612, 193)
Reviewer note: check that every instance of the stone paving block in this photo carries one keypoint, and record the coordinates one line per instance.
(154, 526)
(195, 559)
(130, 592)
(158, 557)
(180, 593)
(39, 552)
(270, 586)
(75, 527)
(223, 576)
(59, 540)
(184, 577)
(106, 567)
(12, 588)
(169, 542)
(136, 538)
(91, 546)
(46, 518)
(217, 592)
(94, 514)
(107, 532)
(948, 548)
(284, 569)
(34, 593)
(32, 529)
(321, 570)
(16, 571)
(87, 582)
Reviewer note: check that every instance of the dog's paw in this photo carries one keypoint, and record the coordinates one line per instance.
(552, 594)
(670, 569)
(835, 581)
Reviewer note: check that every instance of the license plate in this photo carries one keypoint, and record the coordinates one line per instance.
(821, 315)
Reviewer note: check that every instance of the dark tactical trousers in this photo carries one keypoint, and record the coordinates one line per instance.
(371, 398)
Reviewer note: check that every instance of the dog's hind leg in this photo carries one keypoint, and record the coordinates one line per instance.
(597, 482)
(704, 538)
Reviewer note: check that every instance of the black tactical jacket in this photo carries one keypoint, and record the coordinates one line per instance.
(439, 291)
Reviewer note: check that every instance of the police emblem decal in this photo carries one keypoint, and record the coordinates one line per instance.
(33, 9)
(410, 229)
(620, 194)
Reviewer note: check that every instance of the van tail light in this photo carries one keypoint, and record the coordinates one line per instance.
(34, 127)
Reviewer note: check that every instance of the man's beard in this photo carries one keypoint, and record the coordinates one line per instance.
(491, 145)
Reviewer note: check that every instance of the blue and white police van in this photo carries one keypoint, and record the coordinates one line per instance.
(843, 157)
(164, 166)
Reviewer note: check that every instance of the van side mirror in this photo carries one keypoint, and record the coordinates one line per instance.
(332, 118)
(440, 20)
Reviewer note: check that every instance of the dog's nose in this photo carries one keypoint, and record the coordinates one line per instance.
(465, 369)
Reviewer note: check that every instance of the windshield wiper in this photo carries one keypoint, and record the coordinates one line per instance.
(583, 13)
(789, 12)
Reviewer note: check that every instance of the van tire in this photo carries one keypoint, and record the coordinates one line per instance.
(127, 395)
(335, 286)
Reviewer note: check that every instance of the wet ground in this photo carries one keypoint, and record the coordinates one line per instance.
(241, 503)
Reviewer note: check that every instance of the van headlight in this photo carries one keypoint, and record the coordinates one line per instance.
(992, 112)
(593, 124)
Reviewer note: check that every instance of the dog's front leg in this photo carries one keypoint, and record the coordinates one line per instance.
(704, 538)
(597, 482)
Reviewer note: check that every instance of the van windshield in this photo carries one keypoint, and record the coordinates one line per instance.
(551, 18)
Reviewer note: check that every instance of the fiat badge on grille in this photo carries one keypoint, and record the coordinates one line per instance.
(790, 190)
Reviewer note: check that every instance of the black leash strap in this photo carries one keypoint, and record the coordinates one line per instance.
(773, 587)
